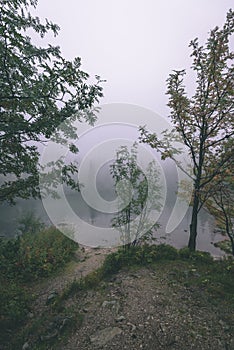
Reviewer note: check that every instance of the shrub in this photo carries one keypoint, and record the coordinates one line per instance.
(23, 259)
(184, 253)
(14, 306)
(146, 254)
(32, 256)
(165, 252)
(43, 253)
(113, 263)
(137, 255)
(203, 257)
(9, 252)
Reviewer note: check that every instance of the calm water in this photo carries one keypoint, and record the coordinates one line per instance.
(9, 217)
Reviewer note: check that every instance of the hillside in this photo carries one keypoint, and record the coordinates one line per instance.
(169, 303)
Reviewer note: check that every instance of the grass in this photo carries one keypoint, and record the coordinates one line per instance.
(24, 260)
(214, 280)
(48, 329)
(194, 269)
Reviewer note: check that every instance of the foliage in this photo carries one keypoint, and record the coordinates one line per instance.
(221, 194)
(32, 256)
(204, 121)
(29, 223)
(212, 278)
(23, 260)
(202, 257)
(41, 94)
(14, 305)
(138, 195)
(225, 245)
(90, 281)
(137, 255)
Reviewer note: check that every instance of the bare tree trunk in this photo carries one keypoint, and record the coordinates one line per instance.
(193, 225)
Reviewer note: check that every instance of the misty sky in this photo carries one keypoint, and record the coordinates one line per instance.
(133, 44)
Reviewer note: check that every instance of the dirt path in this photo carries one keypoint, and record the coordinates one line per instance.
(85, 261)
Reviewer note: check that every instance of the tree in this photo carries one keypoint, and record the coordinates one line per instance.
(222, 207)
(205, 120)
(220, 193)
(138, 193)
(39, 91)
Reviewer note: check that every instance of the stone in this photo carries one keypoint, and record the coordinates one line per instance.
(26, 346)
(113, 303)
(109, 303)
(120, 319)
(103, 336)
(51, 297)
(132, 325)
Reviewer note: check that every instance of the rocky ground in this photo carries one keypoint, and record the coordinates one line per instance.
(144, 308)
(141, 310)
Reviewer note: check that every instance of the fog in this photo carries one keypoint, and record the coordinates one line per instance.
(10, 216)
(134, 45)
